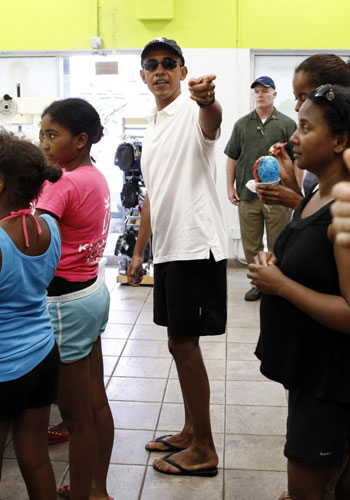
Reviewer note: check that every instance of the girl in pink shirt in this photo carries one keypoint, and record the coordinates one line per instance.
(78, 300)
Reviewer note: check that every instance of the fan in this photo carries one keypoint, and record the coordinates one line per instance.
(8, 106)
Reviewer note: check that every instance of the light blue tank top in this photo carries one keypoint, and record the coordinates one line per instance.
(26, 335)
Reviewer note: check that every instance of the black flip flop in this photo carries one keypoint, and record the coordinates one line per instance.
(169, 446)
(185, 472)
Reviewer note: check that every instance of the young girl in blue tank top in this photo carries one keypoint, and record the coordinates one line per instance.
(30, 249)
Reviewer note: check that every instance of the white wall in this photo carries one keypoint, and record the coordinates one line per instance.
(37, 76)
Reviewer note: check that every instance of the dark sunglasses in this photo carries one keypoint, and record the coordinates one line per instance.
(167, 63)
(325, 91)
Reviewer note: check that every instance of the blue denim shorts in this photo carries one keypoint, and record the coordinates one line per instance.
(78, 319)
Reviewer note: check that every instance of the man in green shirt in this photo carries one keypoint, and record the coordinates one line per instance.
(252, 136)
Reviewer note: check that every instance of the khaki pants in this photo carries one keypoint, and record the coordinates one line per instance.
(253, 216)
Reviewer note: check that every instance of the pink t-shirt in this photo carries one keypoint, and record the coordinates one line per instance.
(81, 200)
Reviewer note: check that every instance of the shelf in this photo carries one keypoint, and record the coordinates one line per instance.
(146, 280)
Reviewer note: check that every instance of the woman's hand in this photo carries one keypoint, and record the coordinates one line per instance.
(265, 259)
(278, 195)
(287, 170)
(346, 158)
(286, 164)
(339, 230)
(265, 274)
(340, 209)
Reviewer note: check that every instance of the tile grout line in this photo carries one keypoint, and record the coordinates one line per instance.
(155, 430)
(127, 338)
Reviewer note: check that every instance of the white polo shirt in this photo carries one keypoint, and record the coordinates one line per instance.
(179, 171)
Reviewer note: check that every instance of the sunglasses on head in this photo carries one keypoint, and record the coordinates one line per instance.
(325, 91)
(167, 63)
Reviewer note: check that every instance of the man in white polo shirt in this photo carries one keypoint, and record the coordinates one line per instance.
(182, 211)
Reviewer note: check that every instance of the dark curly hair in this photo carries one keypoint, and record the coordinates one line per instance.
(23, 169)
(322, 68)
(78, 116)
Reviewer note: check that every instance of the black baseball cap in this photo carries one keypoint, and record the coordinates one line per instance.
(266, 81)
(163, 42)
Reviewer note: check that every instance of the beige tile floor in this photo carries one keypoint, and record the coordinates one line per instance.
(248, 412)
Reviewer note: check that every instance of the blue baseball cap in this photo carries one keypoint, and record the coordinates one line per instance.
(266, 81)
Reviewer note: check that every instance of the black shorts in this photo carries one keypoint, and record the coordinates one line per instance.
(317, 430)
(35, 389)
(190, 297)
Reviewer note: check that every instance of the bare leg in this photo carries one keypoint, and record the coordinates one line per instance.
(30, 443)
(196, 393)
(103, 423)
(76, 411)
(4, 429)
(312, 482)
(182, 439)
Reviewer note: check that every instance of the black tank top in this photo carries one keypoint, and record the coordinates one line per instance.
(295, 349)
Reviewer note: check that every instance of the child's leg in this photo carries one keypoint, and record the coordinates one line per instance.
(103, 422)
(29, 433)
(75, 408)
(4, 429)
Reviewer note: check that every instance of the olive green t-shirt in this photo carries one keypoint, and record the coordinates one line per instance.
(250, 139)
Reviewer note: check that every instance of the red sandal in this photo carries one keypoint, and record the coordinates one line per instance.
(64, 492)
(285, 496)
(54, 437)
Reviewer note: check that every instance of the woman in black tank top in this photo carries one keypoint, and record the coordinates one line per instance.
(304, 341)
